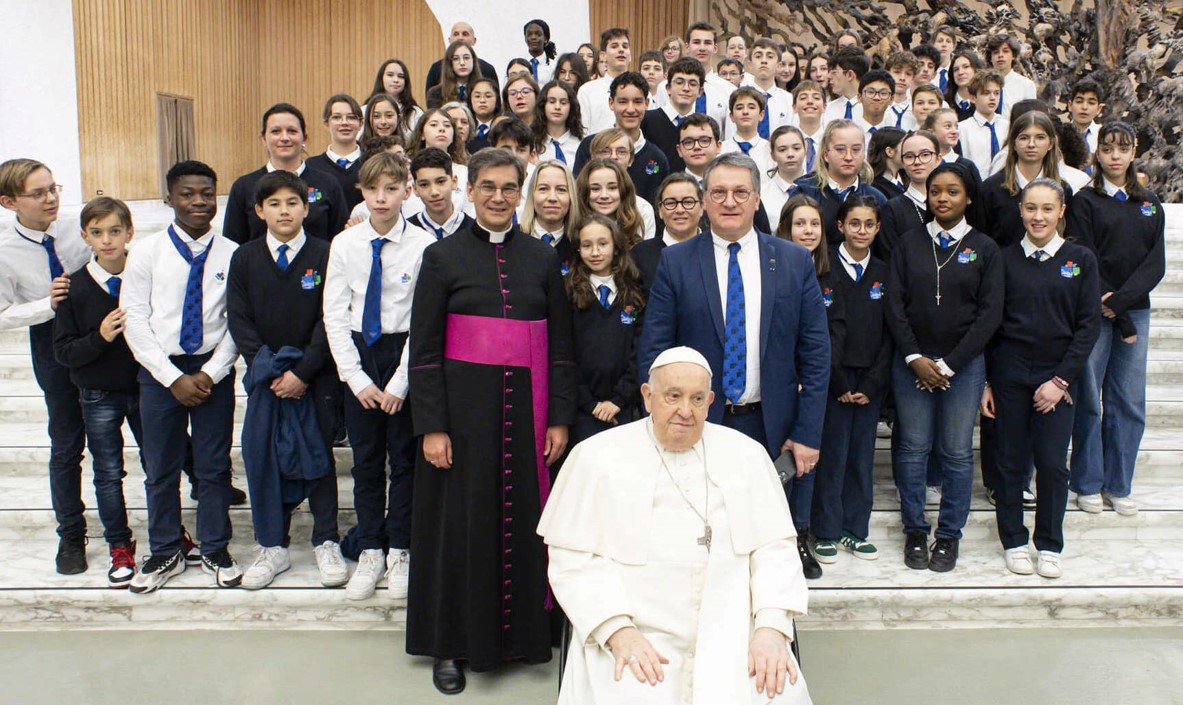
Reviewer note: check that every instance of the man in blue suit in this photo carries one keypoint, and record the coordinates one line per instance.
(750, 303)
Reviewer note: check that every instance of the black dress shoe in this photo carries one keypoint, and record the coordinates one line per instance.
(809, 564)
(448, 676)
(71, 557)
(944, 555)
(916, 550)
(237, 496)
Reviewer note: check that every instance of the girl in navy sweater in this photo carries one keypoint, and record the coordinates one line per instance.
(858, 384)
(801, 222)
(840, 171)
(944, 303)
(1122, 223)
(1050, 321)
(920, 153)
(605, 291)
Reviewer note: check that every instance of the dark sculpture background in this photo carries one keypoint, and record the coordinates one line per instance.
(1133, 47)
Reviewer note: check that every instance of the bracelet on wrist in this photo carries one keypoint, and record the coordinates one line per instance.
(1061, 383)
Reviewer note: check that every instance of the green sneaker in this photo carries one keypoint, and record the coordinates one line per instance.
(860, 549)
(824, 550)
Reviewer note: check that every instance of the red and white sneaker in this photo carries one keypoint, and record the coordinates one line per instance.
(123, 566)
(190, 548)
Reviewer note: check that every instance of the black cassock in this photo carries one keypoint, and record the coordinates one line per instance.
(478, 588)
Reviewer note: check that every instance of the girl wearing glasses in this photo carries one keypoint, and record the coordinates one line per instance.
(919, 153)
(342, 158)
(605, 187)
(520, 96)
(616, 145)
(393, 78)
(485, 102)
(607, 297)
(859, 381)
(840, 171)
(457, 74)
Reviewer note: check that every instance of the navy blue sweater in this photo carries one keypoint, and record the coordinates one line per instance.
(828, 200)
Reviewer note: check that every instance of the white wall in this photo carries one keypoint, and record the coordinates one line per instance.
(498, 25)
(39, 91)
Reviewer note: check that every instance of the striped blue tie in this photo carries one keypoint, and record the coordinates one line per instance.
(735, 349)
(371, 314)
(192, 323)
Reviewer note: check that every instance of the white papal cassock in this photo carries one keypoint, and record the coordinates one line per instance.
(624, 551)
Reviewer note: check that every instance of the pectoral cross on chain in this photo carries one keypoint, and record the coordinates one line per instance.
(705, 539)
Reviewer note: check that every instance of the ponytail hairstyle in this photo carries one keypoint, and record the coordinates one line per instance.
(1043, 182)
(820, 170)
(548, 48)
(884, 138)
(1051, 160)
(784, 229)
(1123, 135)
(625, 273)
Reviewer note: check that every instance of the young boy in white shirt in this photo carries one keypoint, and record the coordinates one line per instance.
(984, 133)
(747, 111)
(778, 106)
(847, 68)
(903, 66)
(1003, 51)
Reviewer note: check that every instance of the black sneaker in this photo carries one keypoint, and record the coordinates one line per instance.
(156, 571)
(221, 565)
(944, 555)
(809, 564)
(71, 557)
(916, 550)
(237, 496)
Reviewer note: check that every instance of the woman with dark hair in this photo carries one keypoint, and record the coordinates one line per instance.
(394, 78)
(460, 70)
(517, 67)
(571, 70)
(558, 123)
(520, 97)
(342, 157)
(920, 153)
(484, 99)
(817, 69)
(883, 154)
(590, 55)
(540, 50)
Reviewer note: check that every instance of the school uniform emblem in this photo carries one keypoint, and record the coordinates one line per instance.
(405, 278)
(1149, 209)
(310, 280)
(828, 297)
(627, 316)
(314, 194)
(876, 291)
(966, 256)
(1070, 269)
(652, 168)
(565, 267)
(220, 276)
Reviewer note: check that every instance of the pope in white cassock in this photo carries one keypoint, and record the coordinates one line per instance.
(674, 556)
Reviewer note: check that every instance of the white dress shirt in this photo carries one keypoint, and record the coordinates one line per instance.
(1111, 188)
(778, 106)
(648, 220)
(153, 295)
(567, 142)
(900, 115)
(346, 281)
(298, 172)
(717, 97)
(351, 157)
(836, 110)
(608, 281)
(450, 226)
(1049, 250)
(749, 269)
(546, 67)
(760, 152)
(848, 262)
(956, 233)
(672, 113)
(593, 105)
(774, 193)
(975, 139)
(1015, 87)
(539, 231)
(1090, 136)
(100, 275)
(294, 245)
(24, 269)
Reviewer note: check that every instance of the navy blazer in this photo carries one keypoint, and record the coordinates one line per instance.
(685, 308)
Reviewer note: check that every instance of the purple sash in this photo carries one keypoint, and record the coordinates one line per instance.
(504, 342)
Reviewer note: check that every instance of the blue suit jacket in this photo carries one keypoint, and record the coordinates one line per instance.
(685, 309)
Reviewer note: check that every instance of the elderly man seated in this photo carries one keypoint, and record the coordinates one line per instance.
(673, 553)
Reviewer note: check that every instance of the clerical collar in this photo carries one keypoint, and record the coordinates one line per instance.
(956, 232)
(1049, 250)
(494, 238)
(298, 172)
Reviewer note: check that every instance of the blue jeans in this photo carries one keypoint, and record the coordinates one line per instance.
(843, 488)
(942, 421)
(104, 413)
(166, 422)
(1110, 411)
(66, 438)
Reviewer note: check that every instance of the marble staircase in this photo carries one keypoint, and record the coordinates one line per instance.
(1118, 571)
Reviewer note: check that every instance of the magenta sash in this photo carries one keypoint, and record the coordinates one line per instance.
(501, 341)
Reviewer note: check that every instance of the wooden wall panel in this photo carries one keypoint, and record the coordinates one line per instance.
(649, 21)
(234, 58)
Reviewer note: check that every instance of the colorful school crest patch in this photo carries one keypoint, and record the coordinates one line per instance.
(1149, 209)
(876, 291)
(1070, 269)
(966, 256)
(220, 276)
(310, 280)
(652, 168)
(405, 278)
(565, 267)
(828, 296)
(627, 316)
(314, 194)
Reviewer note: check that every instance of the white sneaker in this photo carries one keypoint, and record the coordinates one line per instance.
(1124, 506)
(330, 562)
(1028, 499)
(1018, 561)
(883, 430)
(1049, 564)
(370, 567)
(398, 569)
(270, 562)
(932, 496)
(1090, 503)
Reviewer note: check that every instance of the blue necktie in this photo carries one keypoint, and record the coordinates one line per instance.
(964, 105)
(113, 286)
(343, 162)
(700, 105)
(55, 265)
(371, 314)
(845, 193)
(678, 120)
(899, 116)
(534, 68)
(745, 146)
(439, 232)
(604, 291)
(281, 260)
(999, 110)
(548, 238)
(1038, 255)
(1121, 195)
(762, 128)
(482, 130)
(559, 151)
(858, 271)
(994, 147)
(192, 323)
(871, 131)
(810, 154)
(849, 109)
(944, 80)
(945, 240)
(735, 349)
(462, 91)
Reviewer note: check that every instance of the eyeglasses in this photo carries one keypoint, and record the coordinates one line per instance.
(461, 59)
(43, 194)
(878, 93)
(741, 195)
(690, 142)
(917, 157)
(520, 92)
(680, 82)
(620, 152)
(509, 191)
(344, 118)
(671, 204)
